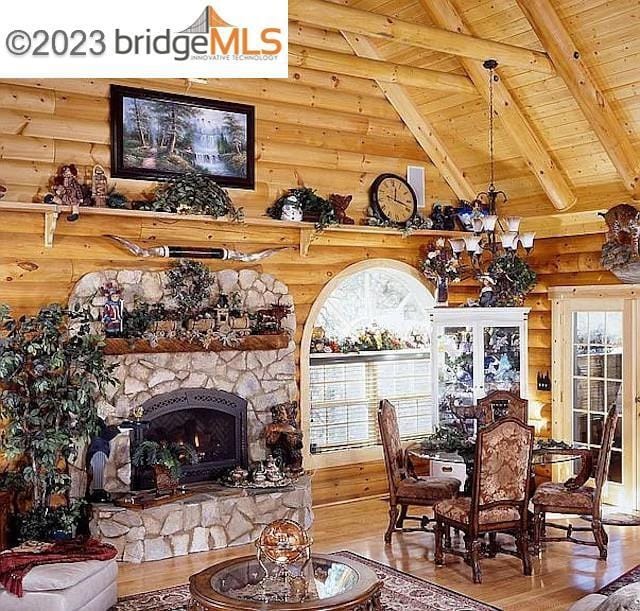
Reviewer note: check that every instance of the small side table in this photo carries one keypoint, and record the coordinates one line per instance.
(335, 583)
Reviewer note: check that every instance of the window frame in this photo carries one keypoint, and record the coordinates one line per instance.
(349, 456)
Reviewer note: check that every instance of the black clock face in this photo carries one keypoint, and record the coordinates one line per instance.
(393, 199)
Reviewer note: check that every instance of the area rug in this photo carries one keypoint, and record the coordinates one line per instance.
(401, 592)
(618, 518)
(631, 576)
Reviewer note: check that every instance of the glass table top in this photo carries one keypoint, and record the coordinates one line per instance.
(245, 580)
(541, 456)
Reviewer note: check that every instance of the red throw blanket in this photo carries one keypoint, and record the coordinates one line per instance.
(15, 564)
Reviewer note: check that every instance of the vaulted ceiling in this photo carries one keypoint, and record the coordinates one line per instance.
(568, 132)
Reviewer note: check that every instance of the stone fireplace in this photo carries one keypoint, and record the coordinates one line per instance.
(219, 402)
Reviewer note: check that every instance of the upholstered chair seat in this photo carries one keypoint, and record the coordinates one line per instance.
(428, 489)
(459, 510)
(557, 495)
(405, 490)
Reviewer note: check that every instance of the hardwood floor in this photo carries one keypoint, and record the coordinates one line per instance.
(565, 573)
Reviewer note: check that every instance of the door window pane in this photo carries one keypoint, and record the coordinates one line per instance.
(597, 381)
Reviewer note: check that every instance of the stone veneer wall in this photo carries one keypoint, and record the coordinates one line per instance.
(212, 520)
(262, 378)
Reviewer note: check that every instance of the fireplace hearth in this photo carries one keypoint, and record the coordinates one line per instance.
(214, 422)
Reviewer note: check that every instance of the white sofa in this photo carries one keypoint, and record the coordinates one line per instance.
(626, 598)
(67, 586)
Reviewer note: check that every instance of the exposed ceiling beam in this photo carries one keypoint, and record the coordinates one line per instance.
(329, 61)
(521, 132)
(568, 62)
(328, 15)
(423, 132)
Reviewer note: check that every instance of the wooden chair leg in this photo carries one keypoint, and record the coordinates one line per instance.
(474, 557)
(538, 524)
(447, 537)
(601, 538)
(523, 548)
(393, 518)
(492, 550)
(438, 531)
(402, 516)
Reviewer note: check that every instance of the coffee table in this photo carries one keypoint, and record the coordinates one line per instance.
(335, 583)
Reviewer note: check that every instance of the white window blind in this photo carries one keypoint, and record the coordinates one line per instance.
(346, 390)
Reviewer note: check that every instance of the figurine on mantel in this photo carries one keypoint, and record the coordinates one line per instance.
(99, 187)
(113, 310)
(67, 191)
(3, 191)
(284, 437)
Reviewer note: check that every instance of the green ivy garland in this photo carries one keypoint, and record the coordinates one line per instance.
(514, 280)
(195, 194)
(311, 204)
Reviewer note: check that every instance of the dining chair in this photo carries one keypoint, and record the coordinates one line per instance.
(406, 490)
(500, 404)
(499, 498)
(583, 500)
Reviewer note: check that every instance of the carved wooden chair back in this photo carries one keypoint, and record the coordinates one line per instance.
(515, 407)
(502, 469)
(391, 445)
(604, 458)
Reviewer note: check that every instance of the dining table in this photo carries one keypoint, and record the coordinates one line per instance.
(544, 454)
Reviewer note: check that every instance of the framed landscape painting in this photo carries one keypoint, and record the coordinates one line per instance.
(157, 136)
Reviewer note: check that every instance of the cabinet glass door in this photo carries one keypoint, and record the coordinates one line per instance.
(455, 370)
(501, 359)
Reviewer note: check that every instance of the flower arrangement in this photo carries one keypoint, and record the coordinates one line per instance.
(441, 267)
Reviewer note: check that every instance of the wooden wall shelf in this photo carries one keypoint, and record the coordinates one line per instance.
(307, 231)
(115, 346)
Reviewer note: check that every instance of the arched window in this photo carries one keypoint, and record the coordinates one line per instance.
(371, 341)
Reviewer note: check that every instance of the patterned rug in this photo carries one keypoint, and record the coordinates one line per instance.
(401, 592)
(631, 576)
(618, 518)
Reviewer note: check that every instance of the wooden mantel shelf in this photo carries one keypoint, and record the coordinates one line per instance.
(307, 231)
(116, 346)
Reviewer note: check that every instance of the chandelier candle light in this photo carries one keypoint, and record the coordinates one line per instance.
(495, 236)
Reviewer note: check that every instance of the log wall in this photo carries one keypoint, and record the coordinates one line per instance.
(333, 135)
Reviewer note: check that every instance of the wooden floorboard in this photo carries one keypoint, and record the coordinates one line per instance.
(565, 573)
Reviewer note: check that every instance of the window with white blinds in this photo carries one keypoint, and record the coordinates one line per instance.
(346, 390)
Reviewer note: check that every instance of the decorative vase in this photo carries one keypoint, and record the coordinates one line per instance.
(165, 482)
(442, 293)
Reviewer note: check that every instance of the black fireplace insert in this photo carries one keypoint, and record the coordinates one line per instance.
(213, 422)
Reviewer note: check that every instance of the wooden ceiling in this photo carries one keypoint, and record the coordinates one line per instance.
(568, 133)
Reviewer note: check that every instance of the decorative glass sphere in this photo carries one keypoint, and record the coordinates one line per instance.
(283, 541)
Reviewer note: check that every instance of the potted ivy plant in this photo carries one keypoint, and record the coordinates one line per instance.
(166, 460)
(52, 372)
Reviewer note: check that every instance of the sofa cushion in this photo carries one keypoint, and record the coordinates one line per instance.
(98, 592)
(60, 576)
(624, 599)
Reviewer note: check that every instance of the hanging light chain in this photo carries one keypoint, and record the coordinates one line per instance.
(491, 65)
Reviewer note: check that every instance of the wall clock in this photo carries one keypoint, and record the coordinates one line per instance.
(393, 200)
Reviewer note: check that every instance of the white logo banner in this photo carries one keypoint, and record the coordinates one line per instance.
(141, 39)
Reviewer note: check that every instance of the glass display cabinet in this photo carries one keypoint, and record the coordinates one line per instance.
(477, 351)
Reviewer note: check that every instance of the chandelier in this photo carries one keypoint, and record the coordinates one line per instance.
(491, 234)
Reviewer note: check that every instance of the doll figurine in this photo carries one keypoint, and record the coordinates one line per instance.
(113, 311)
(99, 190)
(487, 296)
